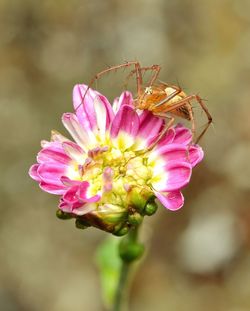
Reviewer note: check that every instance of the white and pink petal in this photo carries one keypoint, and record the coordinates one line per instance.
(124, 127)
(175, 176)
(33, 172)
(74, 152)
(80, 135)
(53, 152)
(84, 193)
(126, 98)
(51, 173)
(52, 188)
(195, 154)
(183, 135)
(83, 101)
(150, 127)
(173, 152)
(171, 200)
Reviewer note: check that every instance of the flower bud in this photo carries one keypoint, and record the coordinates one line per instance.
(135, 219)
(81, 224)
(62, 215)
(150, 208)
(121, 230)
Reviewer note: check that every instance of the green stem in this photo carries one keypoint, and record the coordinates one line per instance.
(130, 250)
(121, 292)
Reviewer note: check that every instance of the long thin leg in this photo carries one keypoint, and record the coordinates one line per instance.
(116, 67)
(191, 115)
(155, 68)
(163, 132)
(209, 117)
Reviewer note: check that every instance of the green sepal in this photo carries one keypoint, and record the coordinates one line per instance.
(113, 218)
(137, 200)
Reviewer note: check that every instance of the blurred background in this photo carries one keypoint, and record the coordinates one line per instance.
(199, 257)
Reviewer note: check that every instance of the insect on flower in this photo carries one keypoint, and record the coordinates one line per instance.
(101, 178)
(162, 99)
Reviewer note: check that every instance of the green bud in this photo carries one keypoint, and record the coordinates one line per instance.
(62, 215)
(135, 219)
(150, 208)
(120, 231)
(81, 224)
(130, 251)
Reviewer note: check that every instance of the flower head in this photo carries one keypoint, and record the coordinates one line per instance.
(107, 174)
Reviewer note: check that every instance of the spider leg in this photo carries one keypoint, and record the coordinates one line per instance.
(164, 130)
(155, 68)
(114, 68)
(191, 115)
(209, 117)
(161, 134)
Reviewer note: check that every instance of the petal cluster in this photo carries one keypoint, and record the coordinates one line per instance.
(110, 156)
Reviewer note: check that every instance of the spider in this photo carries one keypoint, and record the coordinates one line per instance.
(162, 99)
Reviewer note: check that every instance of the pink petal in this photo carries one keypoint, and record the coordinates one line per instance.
(57, 137)
(85, 111)
(51, 188)
(84, 209)
(80, 135)
(177, 176)
(108, 108)
(51, 173)
(182, 135)
(195, 155)
(53, 153)
(75, 199)
(167, 138)
(115, 105)
(103, 119)
(172, 200)
(174, 152)
(68, 182)
(33, 172)
(126, 98)
(70, 196)
(126, 120)
(83, 195)
(150, 126)
(74, 151)
(181, 152)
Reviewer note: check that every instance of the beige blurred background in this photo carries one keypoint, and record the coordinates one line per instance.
(199, 257)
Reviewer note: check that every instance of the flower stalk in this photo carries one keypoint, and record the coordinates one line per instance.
(129, 250)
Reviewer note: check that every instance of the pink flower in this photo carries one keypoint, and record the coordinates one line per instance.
(109, 159)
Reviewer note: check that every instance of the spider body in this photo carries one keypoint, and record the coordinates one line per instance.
(161, 98)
